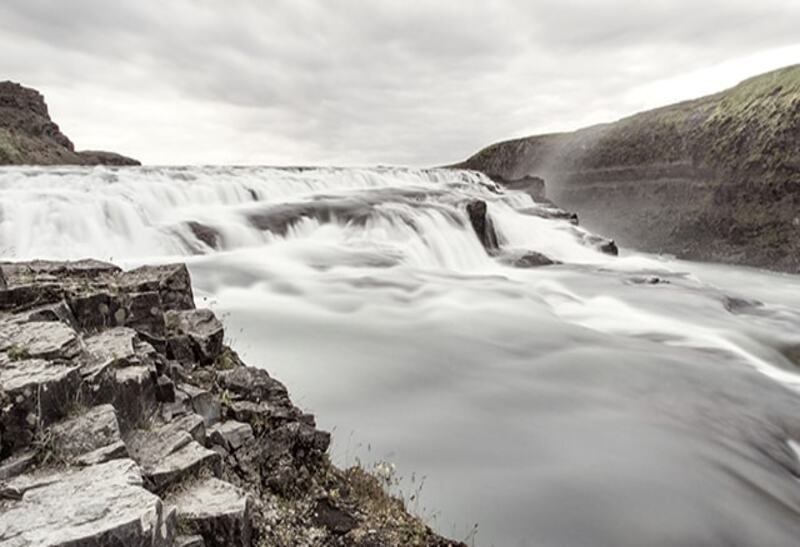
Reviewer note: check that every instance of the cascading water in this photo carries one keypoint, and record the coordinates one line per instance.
(630, 400)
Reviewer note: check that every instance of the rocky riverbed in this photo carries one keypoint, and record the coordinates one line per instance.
(127, 420)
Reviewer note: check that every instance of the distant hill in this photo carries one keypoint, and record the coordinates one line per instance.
(716, 178)
(29, 136)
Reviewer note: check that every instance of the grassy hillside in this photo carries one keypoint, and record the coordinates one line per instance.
(712, 178)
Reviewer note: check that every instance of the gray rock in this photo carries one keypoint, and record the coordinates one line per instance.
(231, 434)
(171, 281)
(202, 402)
(482, 224)
(218, 511)
(133, 395)
(170, 452)
(528, 259)
(58, 311)
(39, 393)
(95, 429)
(203, 330)
(113, 451)
(107, 505)
(189, 541)
(253, 384)
(17, 464)
(39, 339)
(165, 390)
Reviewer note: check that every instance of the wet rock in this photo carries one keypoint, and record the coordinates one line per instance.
(107, 505)
(335, 519)
(231, 435)
(482, 224)
(551, 213)
(217, 511)
(528, 259)
(95, 429)
(609, 247)
(170, 281)
(208, 235)
(203, 331)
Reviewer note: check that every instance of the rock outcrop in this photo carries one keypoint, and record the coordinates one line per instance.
(717, 178)
(29, 136)
(126, 420)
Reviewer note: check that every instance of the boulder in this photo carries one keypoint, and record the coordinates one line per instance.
(217, 511)
(253, 384)
(202, 402)
(39, 392)
(170, 453)
(107, 505)
(95, 429)
(132, 393)
(170, 281)
(39, 339)
(528, 259)
(231, 435)
(195, 333)
(482, 224)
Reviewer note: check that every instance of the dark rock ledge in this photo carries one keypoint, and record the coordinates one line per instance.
(126, 420)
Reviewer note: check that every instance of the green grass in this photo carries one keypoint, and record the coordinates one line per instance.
(8, 150)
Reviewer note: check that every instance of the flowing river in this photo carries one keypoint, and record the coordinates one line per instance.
(604, 401)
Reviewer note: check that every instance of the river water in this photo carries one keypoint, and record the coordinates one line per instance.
(606, 401)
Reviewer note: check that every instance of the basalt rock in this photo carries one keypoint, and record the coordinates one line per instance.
(482, 224)
(106, 424)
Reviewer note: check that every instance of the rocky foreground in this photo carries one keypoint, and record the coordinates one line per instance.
(716, 178)
(28, 136)
(126, 420)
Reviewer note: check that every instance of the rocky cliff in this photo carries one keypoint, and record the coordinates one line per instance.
(126, 420)
(717, 178)
(29, 136)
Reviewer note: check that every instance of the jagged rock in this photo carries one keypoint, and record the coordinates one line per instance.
(98, 505)
(193, 424)
(328, 515)
(95, 429)
(113, 347)
(482, 225)
(133, 395)
(231, 434)
(58, 311)
(201, 329)
(39, 339)
(216, 510)
(170, 281)
(104, 454)
(253, 384)
(170, 453)
(39, 392)
(202, 402)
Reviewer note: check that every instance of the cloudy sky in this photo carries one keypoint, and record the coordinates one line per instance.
(350, 82)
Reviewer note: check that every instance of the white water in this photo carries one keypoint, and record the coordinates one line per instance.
(566, 405)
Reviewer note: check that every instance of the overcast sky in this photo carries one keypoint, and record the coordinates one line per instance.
(349, 82)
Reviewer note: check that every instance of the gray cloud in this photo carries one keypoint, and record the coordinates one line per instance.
(354, 82)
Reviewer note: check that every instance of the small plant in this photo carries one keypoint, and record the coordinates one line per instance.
(18, 353)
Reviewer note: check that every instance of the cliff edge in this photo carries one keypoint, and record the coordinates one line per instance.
(29, 137)
(126, 420)
(716, 178)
